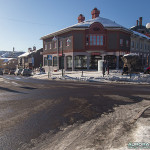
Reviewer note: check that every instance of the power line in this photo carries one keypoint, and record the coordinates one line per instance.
(23, 21)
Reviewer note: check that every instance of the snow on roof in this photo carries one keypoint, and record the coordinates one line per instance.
(130, 54)
(107, 23)
(26, 54)
(6, 59)
(140, 34)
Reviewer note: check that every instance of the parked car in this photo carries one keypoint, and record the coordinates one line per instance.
(26, 72)
(147, 70)
(18, 71)
(12, 72)
(1, 72)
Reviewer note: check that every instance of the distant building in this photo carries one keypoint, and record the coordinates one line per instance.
(31, 59)
(141, 28)
(140, 41)
(86, 42)
(10, 54)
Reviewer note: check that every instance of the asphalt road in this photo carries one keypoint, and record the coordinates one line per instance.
(30, 107)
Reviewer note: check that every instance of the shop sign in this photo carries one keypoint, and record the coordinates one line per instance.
(95, 53)
(49, 57)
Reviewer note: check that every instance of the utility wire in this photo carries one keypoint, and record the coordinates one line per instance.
(23, 21)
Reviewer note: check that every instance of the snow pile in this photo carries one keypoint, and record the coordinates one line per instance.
(95, 76)
(131, 54)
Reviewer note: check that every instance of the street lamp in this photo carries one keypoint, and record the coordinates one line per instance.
(60, 39)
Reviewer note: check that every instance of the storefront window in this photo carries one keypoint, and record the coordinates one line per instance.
(55, 61)
(112, 61)
(94, 61)
(45, 61)
(69, 62)
(49, 62)
(80, 62)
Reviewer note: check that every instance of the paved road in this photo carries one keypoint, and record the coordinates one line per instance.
(30, 107)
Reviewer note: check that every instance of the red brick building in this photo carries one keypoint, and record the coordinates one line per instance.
(86, 42)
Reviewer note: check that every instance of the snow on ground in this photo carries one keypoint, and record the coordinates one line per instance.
(95, 76)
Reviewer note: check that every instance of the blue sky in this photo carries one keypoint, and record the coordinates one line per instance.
(23, 22)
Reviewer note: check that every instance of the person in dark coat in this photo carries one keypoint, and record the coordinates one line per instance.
(125, 69)
(104, 67)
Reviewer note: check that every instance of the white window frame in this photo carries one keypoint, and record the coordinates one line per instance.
(45, 46)
(50, 45)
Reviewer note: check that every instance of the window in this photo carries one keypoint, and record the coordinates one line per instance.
(49, 62)
(55, 61)
(145, 46)
(80, 61)
(121, 42)
(60, 43)
(55, 44)
(50, 45)
(45, 61)
(87, 40)
(45, 46)
(25, 60)
(141, 46)
(67, 42)
(137, 45)
(132, 44)
(91, 40)
(101, 40)
(69, 62)
(96, 40)
(127, 43)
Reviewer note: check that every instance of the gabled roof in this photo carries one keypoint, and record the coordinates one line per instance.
(107, 23)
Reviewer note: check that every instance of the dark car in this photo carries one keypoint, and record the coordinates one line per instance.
(147, 70)
(12, 72)
(26, 72)
(1, 72)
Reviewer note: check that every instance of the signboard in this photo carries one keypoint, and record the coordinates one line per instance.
(49, 57)
(95, 53)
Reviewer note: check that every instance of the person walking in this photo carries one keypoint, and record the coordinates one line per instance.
(104, 67)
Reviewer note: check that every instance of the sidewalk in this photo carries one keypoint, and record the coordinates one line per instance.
(95, 76)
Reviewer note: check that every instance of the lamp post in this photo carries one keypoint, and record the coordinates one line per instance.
(62, 61)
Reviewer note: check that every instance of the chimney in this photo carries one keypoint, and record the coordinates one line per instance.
(29, 50)
(140, 21)
(95, 13)
(81, 18)
(34, 48)
(137, 23)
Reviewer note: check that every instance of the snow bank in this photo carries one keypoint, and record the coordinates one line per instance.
(95, 76)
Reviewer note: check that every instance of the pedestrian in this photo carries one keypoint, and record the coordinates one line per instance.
(104, 67)
(107, 66)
